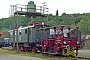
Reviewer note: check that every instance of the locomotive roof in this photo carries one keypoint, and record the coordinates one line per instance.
(58, 27)
(21, 28)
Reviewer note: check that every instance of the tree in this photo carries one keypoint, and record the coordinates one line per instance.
(57, 13)
(81, 20)
(84, 24)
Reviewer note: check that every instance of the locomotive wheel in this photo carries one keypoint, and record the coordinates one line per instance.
(50, 50)
(0, 46)
(26, 49)
(38, 50)
(33, 49)
(13, 47)
(21, 48)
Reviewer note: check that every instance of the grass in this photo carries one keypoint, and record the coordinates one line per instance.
(48, 57)
(15, 52)
(8, 51)
(84, 48)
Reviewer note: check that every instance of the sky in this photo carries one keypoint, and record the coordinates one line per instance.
(63, 6)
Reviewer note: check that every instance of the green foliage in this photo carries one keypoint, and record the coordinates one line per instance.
(84, 48)
(81, 20)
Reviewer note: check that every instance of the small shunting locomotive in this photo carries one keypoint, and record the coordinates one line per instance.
(58, 43)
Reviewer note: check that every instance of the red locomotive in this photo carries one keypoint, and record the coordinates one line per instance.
(60, 44)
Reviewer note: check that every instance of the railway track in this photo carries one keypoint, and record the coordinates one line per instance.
(81, 58)
(52, 57)
(68, 57)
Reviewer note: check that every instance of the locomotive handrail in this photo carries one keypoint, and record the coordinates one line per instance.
(65, 26)
(45, 28)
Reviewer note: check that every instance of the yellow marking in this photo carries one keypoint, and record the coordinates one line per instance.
(71, 51)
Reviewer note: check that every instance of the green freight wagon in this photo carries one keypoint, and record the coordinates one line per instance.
(1, 41)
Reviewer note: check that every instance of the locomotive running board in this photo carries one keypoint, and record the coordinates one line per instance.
(54, 53)
(44, 52)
